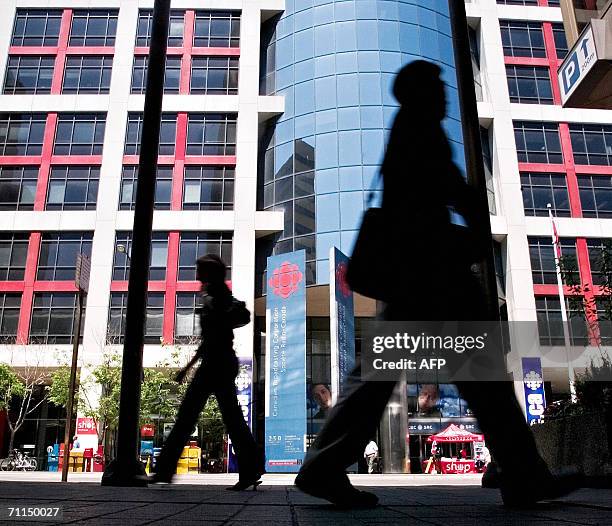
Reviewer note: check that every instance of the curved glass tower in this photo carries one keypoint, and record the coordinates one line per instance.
(335, 62)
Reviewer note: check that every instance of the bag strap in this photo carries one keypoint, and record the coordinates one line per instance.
(372, 192)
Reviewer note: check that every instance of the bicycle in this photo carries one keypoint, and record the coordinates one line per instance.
(18, 461)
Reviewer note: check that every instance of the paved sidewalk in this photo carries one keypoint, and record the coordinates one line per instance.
(203, 500)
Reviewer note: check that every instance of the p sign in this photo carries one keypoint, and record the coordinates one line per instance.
(577, 64)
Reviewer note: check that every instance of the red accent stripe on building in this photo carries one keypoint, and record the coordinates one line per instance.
(210, 159)
(550, 290)
(593, 169)
(11, 286)
(541, 167)
(185, 81)
(55, 286)
(62, 46)
(45, 162)
(27, 298)
(188, 286)
(162, 159)
(570, 170)
(152, 286)
(526, 61)
(76, 159)
(179, 161)
(553, 62)
(90, 50)
(28, 160)
(216, 51)
(170, 297)
(33, 50)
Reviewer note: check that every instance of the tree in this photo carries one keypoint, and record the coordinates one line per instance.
(22, 389)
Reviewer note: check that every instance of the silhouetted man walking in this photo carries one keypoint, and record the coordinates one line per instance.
(421, 183)
(220, 314)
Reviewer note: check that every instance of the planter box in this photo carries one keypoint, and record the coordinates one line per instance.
(579, 441)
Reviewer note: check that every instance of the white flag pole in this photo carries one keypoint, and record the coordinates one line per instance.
(564, 320)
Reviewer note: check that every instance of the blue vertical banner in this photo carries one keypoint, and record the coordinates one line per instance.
(244, 394)
(342, 322)
(285, 408)
(533, 384)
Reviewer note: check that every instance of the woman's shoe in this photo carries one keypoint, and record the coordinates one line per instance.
(341, 493)
(241, 485)
(158, 478)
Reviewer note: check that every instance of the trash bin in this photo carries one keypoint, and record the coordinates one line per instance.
(53, 457)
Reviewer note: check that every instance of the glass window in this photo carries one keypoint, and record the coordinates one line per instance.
(592, 143)
(559, 36)
(211, 134)
(214, 75)
(600, 258)
(217, 29)
(79, 134)
(129, 184)
(93, 28)
(21, 133)
(73, 188)
(208, 188)
(175, 31)
(123, 250)
(529, 85)
(28, 74)
(52, 318)
(36, 27)
(596, 195)
(13, 255)
(186, 323)
(540, 189)
(604, 315)
(550, 325)
(542, 257)
(58, 254)
(153, 324)
(522, 39)
(18, 187)
(538, 142)
(87, 74)
(196, 244)
(9, 317)
(172, 76)
(167, 135)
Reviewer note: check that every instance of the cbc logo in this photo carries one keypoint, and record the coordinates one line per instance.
(535, 402)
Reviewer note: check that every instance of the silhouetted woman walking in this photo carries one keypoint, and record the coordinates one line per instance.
(219, 315)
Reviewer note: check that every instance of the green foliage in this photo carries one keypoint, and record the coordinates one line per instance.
(10, 386)
(60, 384)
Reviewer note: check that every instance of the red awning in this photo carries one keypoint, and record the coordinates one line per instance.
(454, 433)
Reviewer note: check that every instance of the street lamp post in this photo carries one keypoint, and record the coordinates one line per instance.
(126, 469)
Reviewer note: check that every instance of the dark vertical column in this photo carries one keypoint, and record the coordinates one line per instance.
(472, 146)
(126, 469)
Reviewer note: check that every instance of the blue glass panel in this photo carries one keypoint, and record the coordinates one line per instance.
(284, 77)
(409, 39)
(452, 104)
(348, 118)
(366, 10)
(305, 125)
(349, 148)
(368, 61)
(387, 10)
(304, 70)
(327, 213)
(284, 131)
(326, 181)
(346, 62)
(449, 75)
(350, 177)
(325, 93)
(408, 13)
(429, 44)
(324, 40)
(347, 241)
(346, 36)
(327, 121)
(325, 242)
(289, 109)
(388, 36)
(325, 66)
(443, 24)
(284, 52)
(327, 151)
(390, 62)
(367, 34)
(351, 210)
(324, 14)
(426, 18)
(303, 19)
(369, 89)
(446, 49)
(348, 90)
(304, 97)
(345, 11)
(304, 45)
(371, 179)
(371, 117)
(389, 116)
(372, 146)
(387, 88)
(282, 153)
(322, 271)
